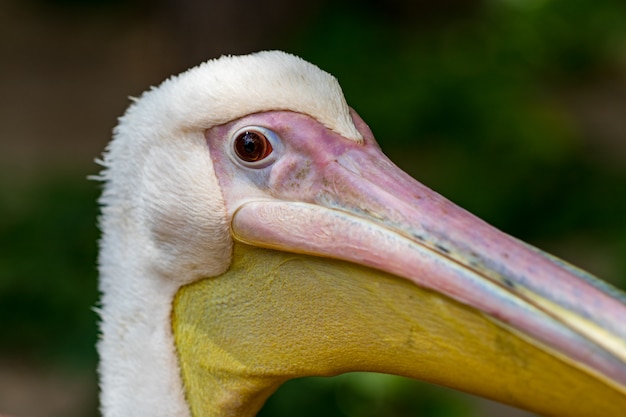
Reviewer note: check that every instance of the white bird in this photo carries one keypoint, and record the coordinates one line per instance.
(253, 232)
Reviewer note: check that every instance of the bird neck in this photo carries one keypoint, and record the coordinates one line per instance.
(139, 372)
(159, 233)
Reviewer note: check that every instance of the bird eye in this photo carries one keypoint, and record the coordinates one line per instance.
(252, 146)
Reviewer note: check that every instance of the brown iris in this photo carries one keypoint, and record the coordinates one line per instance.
(252, 146)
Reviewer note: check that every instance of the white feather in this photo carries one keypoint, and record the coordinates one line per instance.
(163, 218)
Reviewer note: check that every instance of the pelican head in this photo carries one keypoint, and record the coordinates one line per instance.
(254, 232)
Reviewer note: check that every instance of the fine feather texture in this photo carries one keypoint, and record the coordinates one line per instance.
(163, 218)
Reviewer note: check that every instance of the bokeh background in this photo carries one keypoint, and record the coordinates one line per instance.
(515, 109)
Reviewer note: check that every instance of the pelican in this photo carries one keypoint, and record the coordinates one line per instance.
(253, 232)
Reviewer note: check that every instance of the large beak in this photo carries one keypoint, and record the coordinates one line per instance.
(428, 291)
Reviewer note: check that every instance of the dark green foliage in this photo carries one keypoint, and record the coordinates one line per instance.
(48, 270)
(363, 395)
(470, 97)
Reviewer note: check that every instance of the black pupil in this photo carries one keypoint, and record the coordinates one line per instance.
(252, 146)
(250, 142)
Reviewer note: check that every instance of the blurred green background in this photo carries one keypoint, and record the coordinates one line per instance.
(514, 109)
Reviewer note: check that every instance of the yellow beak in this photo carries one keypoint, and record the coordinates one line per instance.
(275, 316)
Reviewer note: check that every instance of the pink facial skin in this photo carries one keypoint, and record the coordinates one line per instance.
(322, 194)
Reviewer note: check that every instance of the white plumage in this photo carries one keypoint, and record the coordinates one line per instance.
(163, 218)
